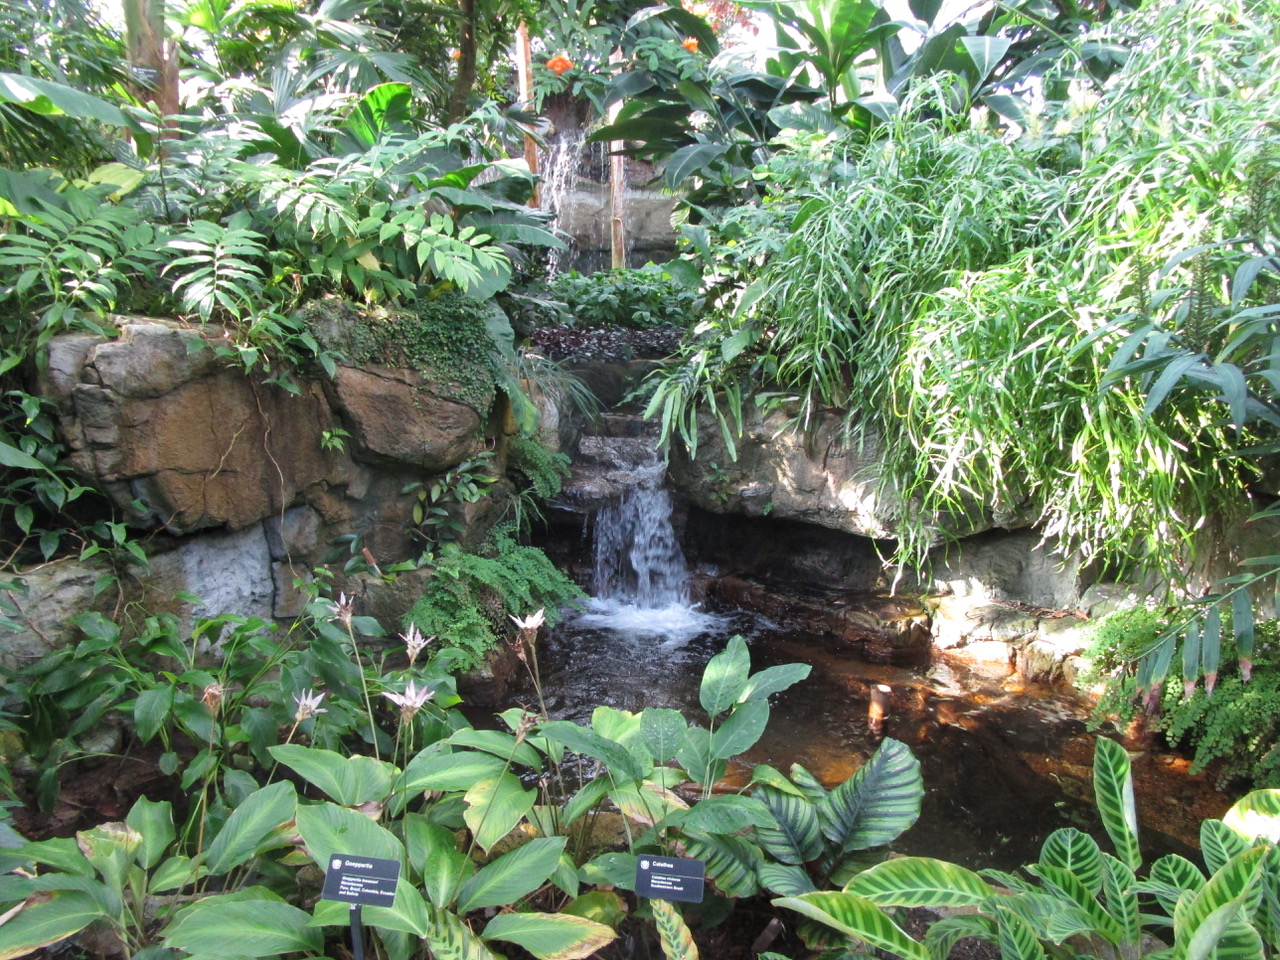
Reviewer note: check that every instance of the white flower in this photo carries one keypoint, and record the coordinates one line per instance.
(411, 701)
(532, 622)
(308, 703)
(414, 642)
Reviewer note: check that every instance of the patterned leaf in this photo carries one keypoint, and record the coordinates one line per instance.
(874, 806)
(1240, 942)
(1122, 902)
(1113, 792)
(551, 936)
(1068, 886)
(1219, 843)
(1074, 850)
(1256, 814)
(797, 838)
(919, 882)
(1016, 938)
(1199, 921)
(855, 917)
(946, 933)
(1178, 873)
(451, 939)
(677, 941)
(731, 862)
(784, 879)
(1009, 881)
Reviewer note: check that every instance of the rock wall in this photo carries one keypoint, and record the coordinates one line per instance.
(236, 485)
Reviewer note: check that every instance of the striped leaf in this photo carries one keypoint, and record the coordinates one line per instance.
(858, 918)
(1068, 886)
(731, 862)
(1069, 922)
(551, 936)
(1076, 851)
(919, 882)
(874, 806)
(1199, 921)
(1113, 793)
(1176, 872)
(1009, 881)
(451, 939)
(946, 933)
(1016, 938)
(784, 879)
(797, 838)
(1118, 884)
(673, 933)
(1256, 814)
(1219, 843)
(1240, 942)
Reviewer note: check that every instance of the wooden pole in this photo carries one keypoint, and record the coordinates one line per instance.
(617, 188)
(524, 83)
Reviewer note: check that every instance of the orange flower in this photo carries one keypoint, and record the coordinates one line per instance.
(690, 44)
(455, 54)
(559, 64)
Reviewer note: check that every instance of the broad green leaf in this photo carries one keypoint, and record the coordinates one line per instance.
(797, 837)
(110, 847)
(176, 873)
(1076, 851)
(646, 802)
(662, 731)
(618, 869)
(449, 771)
(151, 710)
(1068, 886)
(855, 917)
(620, 726)
(48, 919)
(774, 680)
(741, 730)
(253, 928)
(673, 933)
(434, 855)
(620, 762)
(602, 906)
(328, 829)
(731, 861)
(1120, 897)
(1199, 920)
(550, 936)
(502, 745)
(728, 814)
(1016, 938)
(725, 678)
(874, 806)
(1256, 814)
(495, 806)
(942, 936)
(346, 780)
(986, 53)
(1113, 793)
(513, 875)
(250, 824)
(154, 823)
(919, 882)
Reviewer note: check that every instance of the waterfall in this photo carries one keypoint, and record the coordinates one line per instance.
(560, 165)
(638, 560)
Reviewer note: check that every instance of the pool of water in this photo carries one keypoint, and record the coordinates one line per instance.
(1004, 764)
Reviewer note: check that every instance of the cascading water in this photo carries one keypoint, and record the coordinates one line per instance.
(560, 164)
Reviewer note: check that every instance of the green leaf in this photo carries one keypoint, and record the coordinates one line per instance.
(328, 829)
(495, 806)
(1113, 793)
(250, 824)
(52, 917)
(449, 771)
(728, 814)
(252, 928)
(451, 939)
(151, 710)
(690, 160)
(662, 730)
(1016, 938)
(919, 882)
(797, 837)
(942, 936)
(874, 806)
(784, 879)
(434, 855)
(154, 822)
(986, 52)
(731, 861)
(673, 933)
(774, 680)
(1076, 851)
(346, 780)
(1219, 843)
(855, 917)
(725, 678)
(1200, 920)
(512, 875)
(551, 936)
(1068, 886)
(499, 744)
(741, 730)
(1257, 814)
(617, 758)
(694, 756)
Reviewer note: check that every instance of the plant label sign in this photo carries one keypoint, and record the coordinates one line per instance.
(368, 881)
(670, 878)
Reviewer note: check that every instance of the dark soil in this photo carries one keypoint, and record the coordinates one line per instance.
(611, 345)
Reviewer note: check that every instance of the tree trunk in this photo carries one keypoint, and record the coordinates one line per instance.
(152, 62)
(466, 78)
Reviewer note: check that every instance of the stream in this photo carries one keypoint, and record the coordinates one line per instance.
(1004, 763)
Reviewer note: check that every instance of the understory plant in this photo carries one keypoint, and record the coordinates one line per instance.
(1080, 900)
(482, 822)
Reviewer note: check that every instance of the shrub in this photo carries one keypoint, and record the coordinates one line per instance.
(639, 299)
